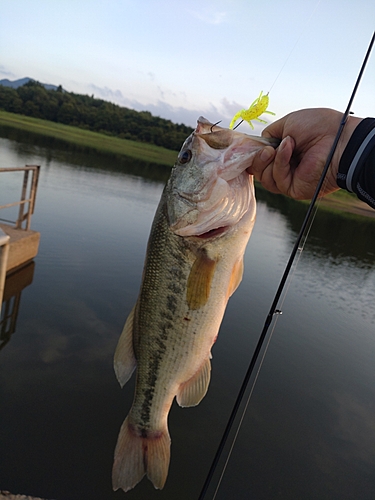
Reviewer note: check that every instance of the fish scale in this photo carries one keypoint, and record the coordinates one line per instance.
(194, 262)
(171, 260)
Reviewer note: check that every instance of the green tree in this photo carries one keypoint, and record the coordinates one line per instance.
(85, 111)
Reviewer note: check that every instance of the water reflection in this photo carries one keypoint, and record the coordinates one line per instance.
(26, 144)
(309, 431)
(326, 235)
(14, 285)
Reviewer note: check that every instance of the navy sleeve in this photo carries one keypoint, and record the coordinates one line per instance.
(356, 171)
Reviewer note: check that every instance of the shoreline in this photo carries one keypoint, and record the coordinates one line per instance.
(354, 206)
(150, 153)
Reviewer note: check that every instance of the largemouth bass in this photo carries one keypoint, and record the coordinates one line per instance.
(193, 265)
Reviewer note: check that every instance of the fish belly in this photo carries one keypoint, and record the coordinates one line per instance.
(185, 288)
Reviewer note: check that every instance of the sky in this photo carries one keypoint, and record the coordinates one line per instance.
(182, 59)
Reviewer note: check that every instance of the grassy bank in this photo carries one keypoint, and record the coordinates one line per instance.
(139, 150)
(341, 201)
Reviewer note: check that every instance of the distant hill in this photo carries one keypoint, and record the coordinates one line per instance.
(49, 102)
(21, 81)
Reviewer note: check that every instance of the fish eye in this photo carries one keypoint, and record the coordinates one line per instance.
(185, 156)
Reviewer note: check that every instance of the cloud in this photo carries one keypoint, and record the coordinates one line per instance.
(223, 110)
(230, 108)
(106, 93)
(177, 114)
(355, 426)
(209, 17)
(5, 72)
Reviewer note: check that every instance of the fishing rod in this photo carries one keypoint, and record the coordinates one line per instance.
(273, 310)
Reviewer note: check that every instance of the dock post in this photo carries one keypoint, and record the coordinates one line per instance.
(4, 244)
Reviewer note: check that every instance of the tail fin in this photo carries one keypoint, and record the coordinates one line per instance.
(136, 456)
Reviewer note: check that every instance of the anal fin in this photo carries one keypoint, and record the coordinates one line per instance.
(124, 360)
(193, 391)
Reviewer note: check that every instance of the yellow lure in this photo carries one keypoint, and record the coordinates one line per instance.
(257, 108)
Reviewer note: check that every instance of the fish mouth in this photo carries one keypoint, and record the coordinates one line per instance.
(213, 232)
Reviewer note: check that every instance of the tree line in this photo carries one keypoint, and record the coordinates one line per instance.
(83, 111)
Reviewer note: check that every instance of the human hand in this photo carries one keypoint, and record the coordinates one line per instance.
(294, 169)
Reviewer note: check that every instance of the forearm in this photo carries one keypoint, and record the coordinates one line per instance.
(356, 168)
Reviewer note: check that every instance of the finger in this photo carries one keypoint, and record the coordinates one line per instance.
(262, 168)
(282, 173)
(273, 180)
(267, 180)
(260, 161)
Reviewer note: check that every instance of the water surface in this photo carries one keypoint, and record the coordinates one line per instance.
(309, 430)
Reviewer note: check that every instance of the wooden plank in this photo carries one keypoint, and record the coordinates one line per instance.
(6, 495)
(23, 246)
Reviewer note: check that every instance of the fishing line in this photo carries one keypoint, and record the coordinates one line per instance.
(273, 310)
(277, 313)
(290, 53)
(229, 454)
(295, 44)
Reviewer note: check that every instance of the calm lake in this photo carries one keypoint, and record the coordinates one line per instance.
(309, 428)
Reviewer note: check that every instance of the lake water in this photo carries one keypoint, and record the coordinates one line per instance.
(309, 429)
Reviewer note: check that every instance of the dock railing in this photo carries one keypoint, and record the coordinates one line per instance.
(4, 251)
(26, 209)
(28, 195)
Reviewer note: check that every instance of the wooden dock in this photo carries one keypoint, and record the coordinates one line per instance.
(18, 243)
(23, 246)
(6, 495)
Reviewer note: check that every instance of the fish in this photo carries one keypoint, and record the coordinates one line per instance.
(193, 264)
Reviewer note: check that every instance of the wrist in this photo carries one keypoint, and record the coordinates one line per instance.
(356, 167)
(350, 125)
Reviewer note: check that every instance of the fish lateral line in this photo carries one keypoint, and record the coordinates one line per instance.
(186, 283)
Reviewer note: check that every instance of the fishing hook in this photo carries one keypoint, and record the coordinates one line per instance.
(238, 124)
(214, 125)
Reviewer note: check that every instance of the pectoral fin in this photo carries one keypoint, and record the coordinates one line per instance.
(236, 277)
(199, 281)
(124, 360)
(193, 391)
